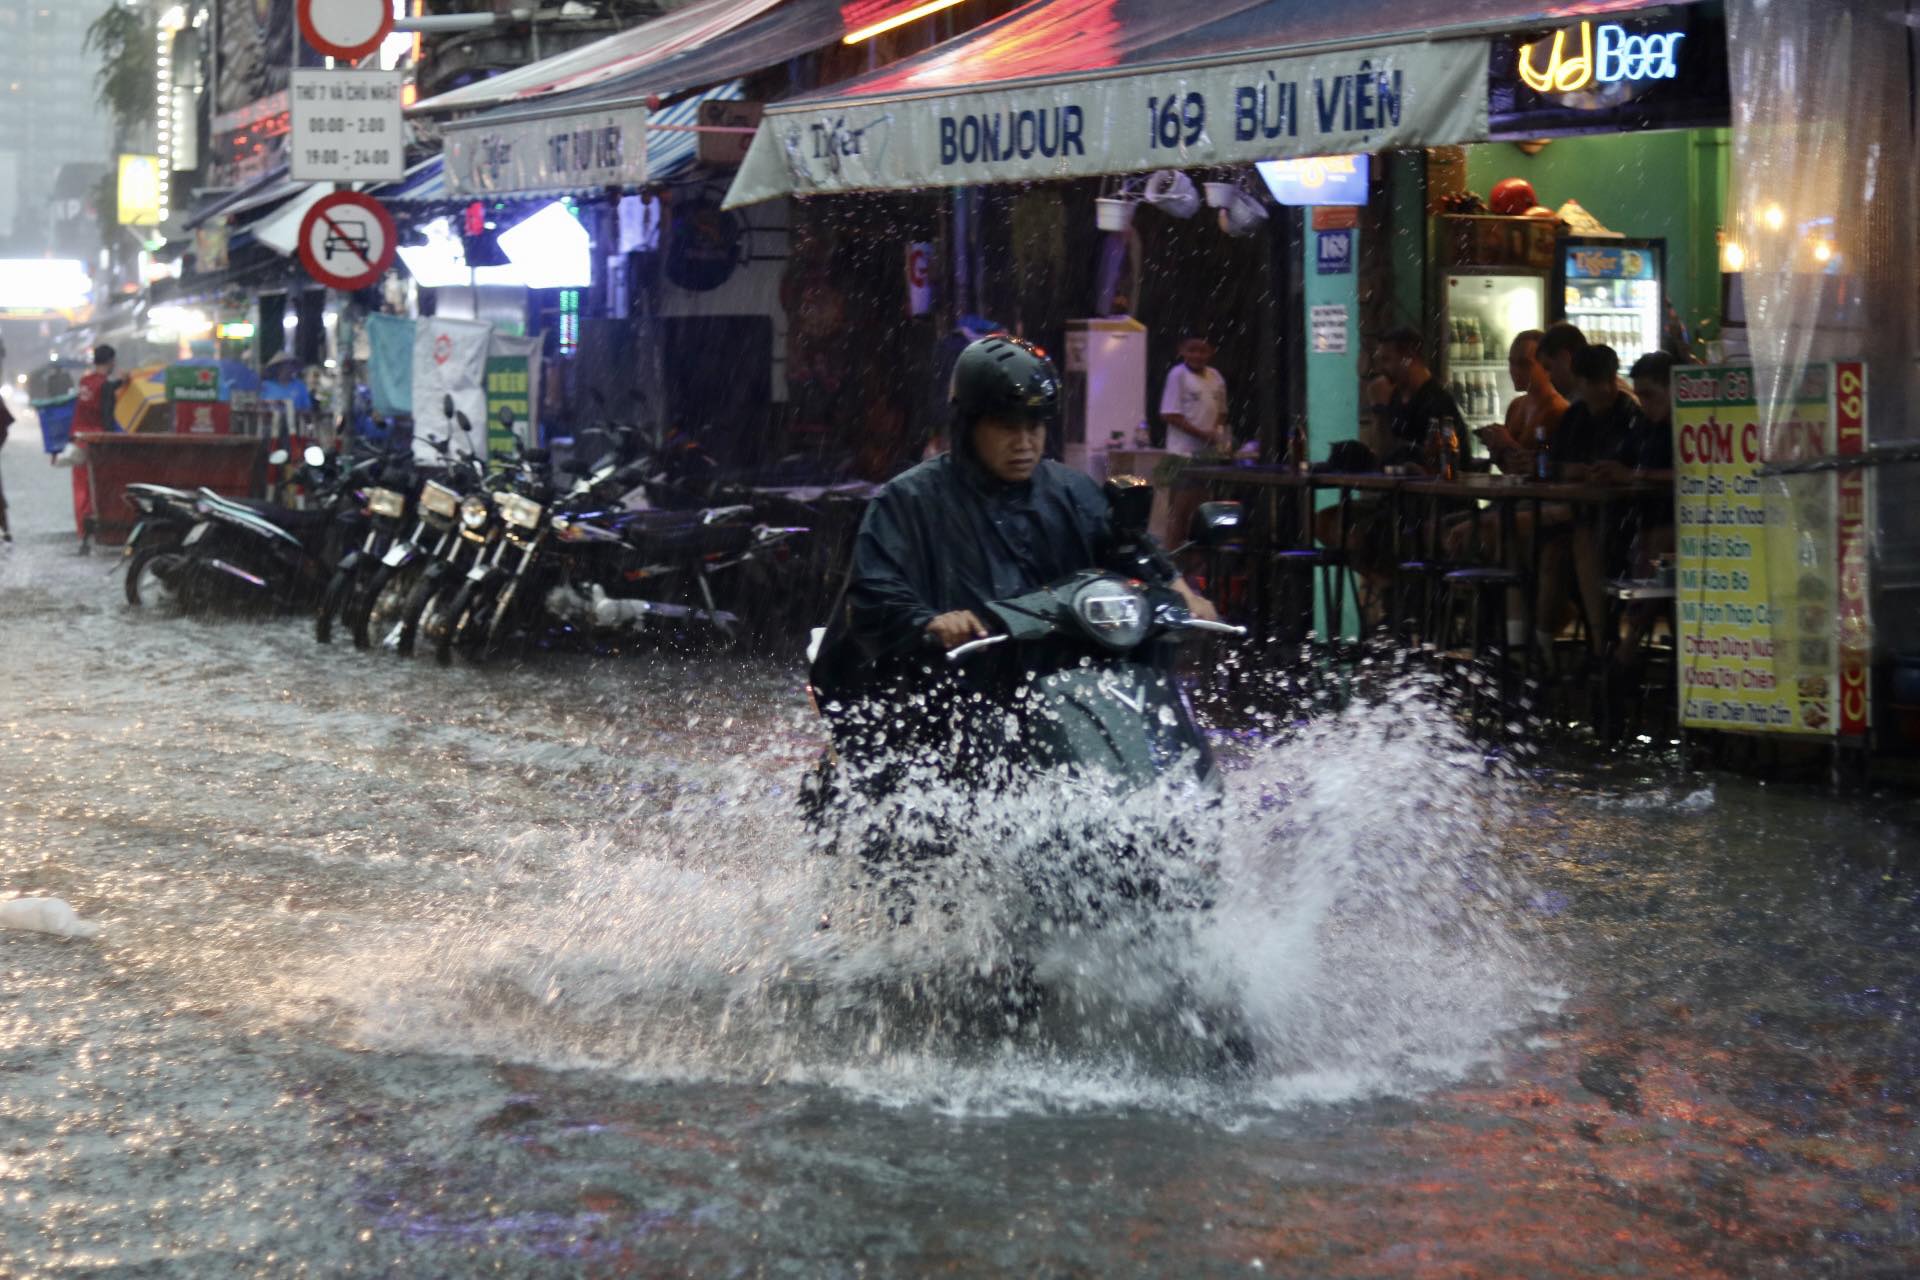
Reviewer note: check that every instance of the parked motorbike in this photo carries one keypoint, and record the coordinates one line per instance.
(380, 605)
(367, 530)
(257, 554)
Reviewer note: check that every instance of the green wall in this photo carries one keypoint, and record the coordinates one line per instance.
(1333, 381)
(1667, 185)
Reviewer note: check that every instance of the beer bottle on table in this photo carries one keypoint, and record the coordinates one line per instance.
(1542, 460)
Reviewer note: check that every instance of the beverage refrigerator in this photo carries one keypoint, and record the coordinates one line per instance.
(1494, 279)
(1615, 290)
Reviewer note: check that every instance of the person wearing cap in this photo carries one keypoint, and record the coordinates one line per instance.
(989, 519)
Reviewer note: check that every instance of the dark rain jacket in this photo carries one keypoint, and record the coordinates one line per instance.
(948, 535)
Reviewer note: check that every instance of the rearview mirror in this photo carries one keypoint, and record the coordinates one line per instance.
(315, 456)
(1217, 523)
(446, 404)
(1129, 505)
(278, 458)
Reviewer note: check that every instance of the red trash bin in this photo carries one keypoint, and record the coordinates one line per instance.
(232, 466)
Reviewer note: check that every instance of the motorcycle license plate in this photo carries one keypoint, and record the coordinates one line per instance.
(476, 573)
(194, 534)
(396, 555)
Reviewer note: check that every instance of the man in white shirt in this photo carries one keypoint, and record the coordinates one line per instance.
(1194, 403)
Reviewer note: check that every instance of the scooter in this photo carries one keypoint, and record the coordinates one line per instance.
(1091, 702)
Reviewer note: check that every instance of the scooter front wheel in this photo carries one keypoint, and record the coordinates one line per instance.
(331, 602)
(147, 574)
(360, 608)
(462, 623)
(420, 612)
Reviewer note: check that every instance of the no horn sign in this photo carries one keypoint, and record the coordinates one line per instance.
(347, 241)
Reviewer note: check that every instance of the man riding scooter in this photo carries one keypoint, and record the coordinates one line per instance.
(1000, 617)
(990, 520)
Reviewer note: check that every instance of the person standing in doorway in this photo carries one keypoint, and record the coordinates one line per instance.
(1194, 402)
(92, 411)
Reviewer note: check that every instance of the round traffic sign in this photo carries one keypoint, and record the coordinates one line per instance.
(347, 240)
(348, 29)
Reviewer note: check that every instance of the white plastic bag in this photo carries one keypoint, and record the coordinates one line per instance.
(71, 456)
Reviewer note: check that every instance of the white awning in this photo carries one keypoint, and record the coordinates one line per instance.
(603, 60)
(1079, 88)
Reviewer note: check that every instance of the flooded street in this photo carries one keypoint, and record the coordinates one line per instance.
(435, 972)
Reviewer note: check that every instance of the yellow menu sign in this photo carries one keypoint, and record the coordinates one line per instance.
(1771, 575)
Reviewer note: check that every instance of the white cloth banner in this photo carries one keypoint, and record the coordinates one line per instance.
(449, 359)
(558, 153)
(1400, 95)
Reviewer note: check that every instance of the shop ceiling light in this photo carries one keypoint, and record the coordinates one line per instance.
(901, 19)
(1733, 258)
(1774, 217)
(550, 250)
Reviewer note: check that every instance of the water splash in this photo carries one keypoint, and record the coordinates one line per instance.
(1362, 939)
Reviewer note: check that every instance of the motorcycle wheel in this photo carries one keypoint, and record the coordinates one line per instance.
(144, 582)
(457, 628)
(419, 612)
(358, 614)
(331, 602)
(499, 625)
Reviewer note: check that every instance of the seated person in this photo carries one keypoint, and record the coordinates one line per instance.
(1592, 435)
(1532, 417)
(1644, 529)
(1418, 402)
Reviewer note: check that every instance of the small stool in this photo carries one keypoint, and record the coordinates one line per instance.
(1472, 584)
(1622, 595)
(1428, 574)
(1331, 565)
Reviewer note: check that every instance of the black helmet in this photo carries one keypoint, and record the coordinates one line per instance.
(1002, 374)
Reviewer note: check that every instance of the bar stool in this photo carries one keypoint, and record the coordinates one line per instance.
(1302, 565)
(1473, 586)
(1623, 594)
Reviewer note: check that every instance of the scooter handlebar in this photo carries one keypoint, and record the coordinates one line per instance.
(960, 652)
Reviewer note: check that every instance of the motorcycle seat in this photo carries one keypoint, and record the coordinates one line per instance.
(288, 518)
(690, 539)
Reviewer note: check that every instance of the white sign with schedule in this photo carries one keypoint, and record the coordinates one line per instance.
(346, 127)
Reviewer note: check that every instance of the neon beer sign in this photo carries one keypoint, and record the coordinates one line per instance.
(1609, 54)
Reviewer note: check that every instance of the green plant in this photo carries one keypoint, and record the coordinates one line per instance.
(124, 38)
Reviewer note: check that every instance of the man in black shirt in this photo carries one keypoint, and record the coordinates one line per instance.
(1593, 436)
(1420, 401)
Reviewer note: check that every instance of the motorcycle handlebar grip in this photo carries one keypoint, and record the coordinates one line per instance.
(959, 652)
(1223, 628)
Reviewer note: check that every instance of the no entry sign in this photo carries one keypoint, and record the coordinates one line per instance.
(347, 240)
(349, 29)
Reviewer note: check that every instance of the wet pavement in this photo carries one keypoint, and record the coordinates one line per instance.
(409, 971)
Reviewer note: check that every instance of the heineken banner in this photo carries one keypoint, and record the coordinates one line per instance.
(558, 153)
(1185, 118)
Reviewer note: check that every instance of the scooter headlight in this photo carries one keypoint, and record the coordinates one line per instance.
(473, 511)
(1113, 612)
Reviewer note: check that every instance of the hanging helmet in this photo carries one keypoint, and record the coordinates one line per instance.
(1002, 374)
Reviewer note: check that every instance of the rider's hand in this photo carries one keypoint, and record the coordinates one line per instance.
(951, 630)
(1198, 605)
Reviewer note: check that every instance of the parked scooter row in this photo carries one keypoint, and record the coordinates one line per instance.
(464, 556)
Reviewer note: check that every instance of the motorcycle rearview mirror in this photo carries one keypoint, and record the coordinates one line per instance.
(1130, 505)
(446, 404)
(1215, 524)
(278, 458)
(315, 456)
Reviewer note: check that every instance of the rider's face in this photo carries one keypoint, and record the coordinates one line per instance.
(1010, 448)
